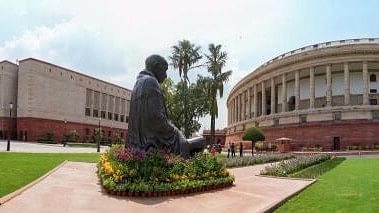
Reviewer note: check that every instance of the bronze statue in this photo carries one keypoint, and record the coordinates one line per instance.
(149, 126)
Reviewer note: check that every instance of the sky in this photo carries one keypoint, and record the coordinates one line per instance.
(111, 39)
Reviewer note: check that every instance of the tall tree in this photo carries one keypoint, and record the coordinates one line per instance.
(216, 60)
(185, 57)
(196, 108)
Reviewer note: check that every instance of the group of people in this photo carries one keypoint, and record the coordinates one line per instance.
(232, 150)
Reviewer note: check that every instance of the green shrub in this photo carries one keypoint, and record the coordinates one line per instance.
(249, 161)
(47, 137)
(127, 168)
(287, 167)
(71, 136)
(253, 134)
(318, 169)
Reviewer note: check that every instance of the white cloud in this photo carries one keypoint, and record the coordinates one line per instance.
(111, 40)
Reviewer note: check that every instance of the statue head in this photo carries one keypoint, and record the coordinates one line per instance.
(158, 66)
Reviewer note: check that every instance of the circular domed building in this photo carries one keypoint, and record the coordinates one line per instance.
(322, 95)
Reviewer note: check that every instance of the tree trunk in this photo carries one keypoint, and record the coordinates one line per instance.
(213, 128)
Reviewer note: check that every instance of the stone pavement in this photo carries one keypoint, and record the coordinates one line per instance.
(17, 146)
(74, 187)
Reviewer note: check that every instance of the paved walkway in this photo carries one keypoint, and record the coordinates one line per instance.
(75, 188)
(17, 146)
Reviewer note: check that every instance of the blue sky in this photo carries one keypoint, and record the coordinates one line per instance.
(111, 39)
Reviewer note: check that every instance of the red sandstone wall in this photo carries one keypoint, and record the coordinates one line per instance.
(36, 127)
(4, 127)
(355, 132)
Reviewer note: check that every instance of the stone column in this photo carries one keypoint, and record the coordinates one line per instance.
(249, 103)
(328, 85)
(365, 83)
(235, 109)
(240, 107)
(312, 88)
(263, 98)
(346, 83)
(255, 98)
(272, 95)
(284, 92)
(297, 89)
(243, 106)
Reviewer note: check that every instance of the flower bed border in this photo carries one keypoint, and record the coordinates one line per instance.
(168, 193)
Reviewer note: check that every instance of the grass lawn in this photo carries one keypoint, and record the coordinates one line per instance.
(19, 169)
(353, 186)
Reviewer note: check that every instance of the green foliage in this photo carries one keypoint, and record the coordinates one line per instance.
(176, 108)
(261, 146)
(249, 161)
(47, 137)
(131, 169)
(253, 134)
(318, 169)
(285, 168)
(71, 136)
(216, 60)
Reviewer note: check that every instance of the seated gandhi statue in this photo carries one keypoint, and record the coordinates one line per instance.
(149, 126)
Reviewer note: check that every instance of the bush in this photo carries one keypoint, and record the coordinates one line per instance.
(260, 147)
(47, 137)
(312, 149)
(318, 169)
(130, 169)
(253, 134)
(285, 168)
(71, 136)
(249, 161)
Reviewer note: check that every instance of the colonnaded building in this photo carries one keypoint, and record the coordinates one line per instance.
(322, 95)
(47, 98)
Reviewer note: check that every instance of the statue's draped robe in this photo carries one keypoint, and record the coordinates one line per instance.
(148, 123)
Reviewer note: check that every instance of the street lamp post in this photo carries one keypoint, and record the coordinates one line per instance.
(64, 133)
(98, 141)
(10, 127)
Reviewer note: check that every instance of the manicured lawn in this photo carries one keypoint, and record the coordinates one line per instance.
(353, 186)
(19, 169)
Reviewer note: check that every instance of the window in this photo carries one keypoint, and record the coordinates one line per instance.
(373, 91)
(109, 116)
(303, 119)
(126, 119)
(116, 117)
(88, 112)
(102, 114)
(276, 122)
(372, 78)
(122, 118)
(373, 102)
(95, 113)
(375, 115)
(109, 133)
(337, 116)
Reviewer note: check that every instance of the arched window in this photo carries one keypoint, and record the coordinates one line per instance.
(372, 78)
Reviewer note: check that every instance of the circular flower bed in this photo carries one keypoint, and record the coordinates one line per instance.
(129, 171)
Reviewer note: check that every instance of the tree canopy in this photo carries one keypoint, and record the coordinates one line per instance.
(253, 134)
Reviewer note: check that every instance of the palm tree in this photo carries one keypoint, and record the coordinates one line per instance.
(184, 57)
(216, 60)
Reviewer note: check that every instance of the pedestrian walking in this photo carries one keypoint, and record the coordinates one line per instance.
(233, 149)
(228, 150)
(241, 149)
